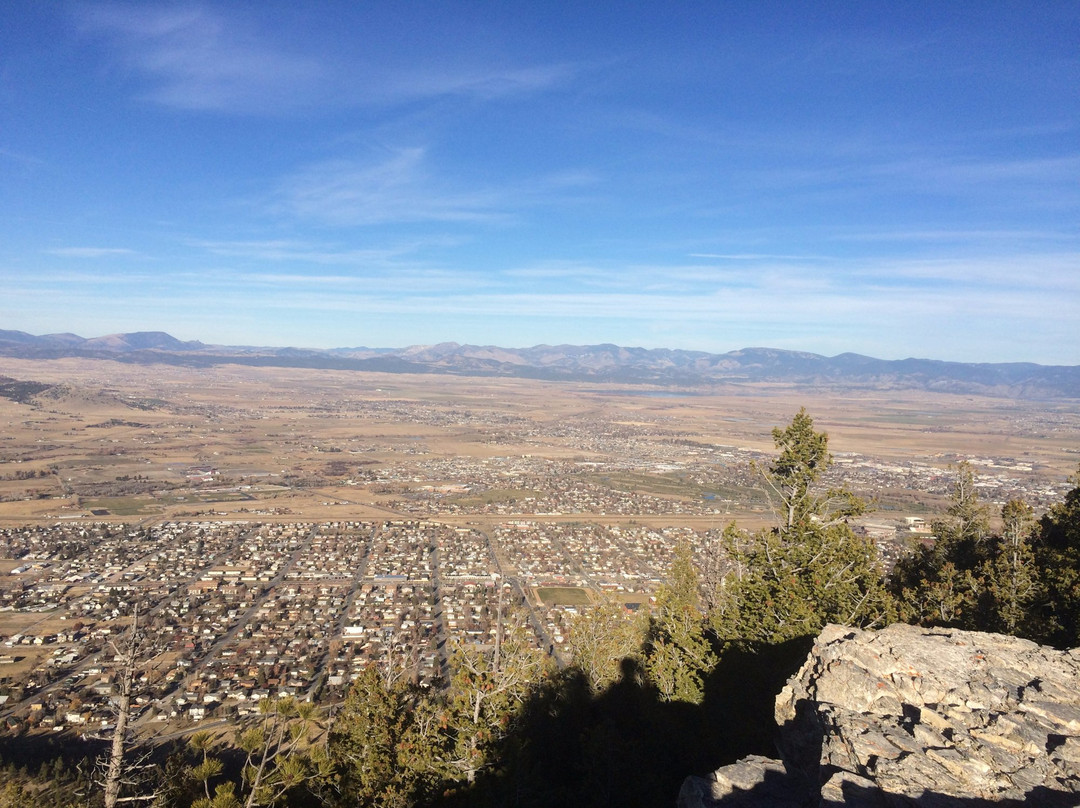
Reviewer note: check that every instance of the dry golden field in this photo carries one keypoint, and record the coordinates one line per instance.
(131, 442)
(314, 489)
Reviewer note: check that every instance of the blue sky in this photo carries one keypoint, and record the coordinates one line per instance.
(894, 179)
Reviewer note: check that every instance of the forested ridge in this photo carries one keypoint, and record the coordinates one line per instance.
(647, 699)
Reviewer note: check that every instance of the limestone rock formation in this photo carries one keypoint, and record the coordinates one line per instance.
(910, 716)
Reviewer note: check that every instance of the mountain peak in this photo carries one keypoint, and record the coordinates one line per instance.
(143, 341)
(597, 363)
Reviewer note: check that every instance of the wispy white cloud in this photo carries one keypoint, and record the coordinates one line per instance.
(862, 317)
(25, 160)
(1049, 181)
(948, 234)
(487, 82)
(1056, 273)
(887, 309)
(90, 252)
(205, 57)
(397, 188)
(280, 250)
(756, 256)
(398, 185)
(402, 283)
(197, 59)
(373, 271)
(562, 270)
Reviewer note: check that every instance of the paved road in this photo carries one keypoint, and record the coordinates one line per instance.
(350, 598)
(240, 624)
(91, 659)
(441, 633)
(361, 571)
(534, 619)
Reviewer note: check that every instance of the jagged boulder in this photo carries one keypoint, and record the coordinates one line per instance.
(910, 716)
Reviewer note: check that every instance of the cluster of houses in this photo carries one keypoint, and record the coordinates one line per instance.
(236, 612)
(586, 480)
(251, 611)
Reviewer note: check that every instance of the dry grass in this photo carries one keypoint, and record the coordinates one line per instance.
(269, 427)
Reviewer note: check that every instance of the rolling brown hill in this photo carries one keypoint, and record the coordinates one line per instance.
(595, 363)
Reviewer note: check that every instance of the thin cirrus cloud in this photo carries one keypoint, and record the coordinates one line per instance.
(947, 234)
(1039, 183)
(444, 295)
(757, 256)
(733, 307)
(489, 82)
(777, 278)
(558, 270)
(396, 189)
(977, 172)
(400, 186)
(200, 58)
(1051, 272)
(90, 252)
(196, 59)
(402, 283)
(1048, 182)
(279, 250)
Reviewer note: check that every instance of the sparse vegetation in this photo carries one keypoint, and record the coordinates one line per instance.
(660, 639)
(19, 391)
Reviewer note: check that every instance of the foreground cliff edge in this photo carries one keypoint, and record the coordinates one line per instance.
(912, 716)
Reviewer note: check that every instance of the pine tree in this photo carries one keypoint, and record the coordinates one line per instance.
(1057, 557)
(1013, 585)
(601, 637)
(811, 568)
(12, 795)
(366, 742)
(790, 481)
(207, 768)
(945, 584)
(679, 654)
(963, 535)
(488, 687)
(280, 752)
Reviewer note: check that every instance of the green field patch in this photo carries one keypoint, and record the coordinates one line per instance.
(905, 418)
(208, 496)
(665, 485)
(123, 506)
(96, 460)
(744, 495)
(495, 496)
(563, 595)
(225, 496)
(674, 485)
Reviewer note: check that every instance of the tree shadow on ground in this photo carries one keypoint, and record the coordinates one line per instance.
(625, 746)
(740, 696)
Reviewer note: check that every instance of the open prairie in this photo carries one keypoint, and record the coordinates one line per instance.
(148, 443)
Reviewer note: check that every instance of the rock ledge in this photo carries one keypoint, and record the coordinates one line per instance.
(908, 716)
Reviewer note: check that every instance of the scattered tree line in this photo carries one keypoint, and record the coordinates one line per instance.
(647, 697)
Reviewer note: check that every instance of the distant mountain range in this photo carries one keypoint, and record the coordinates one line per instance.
(590, 363)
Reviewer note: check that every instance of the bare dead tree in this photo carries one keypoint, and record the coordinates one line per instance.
(117, 772)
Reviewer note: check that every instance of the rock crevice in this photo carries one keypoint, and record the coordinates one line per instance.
(910, 716)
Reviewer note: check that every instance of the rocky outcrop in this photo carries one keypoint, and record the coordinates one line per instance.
(909, 716)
